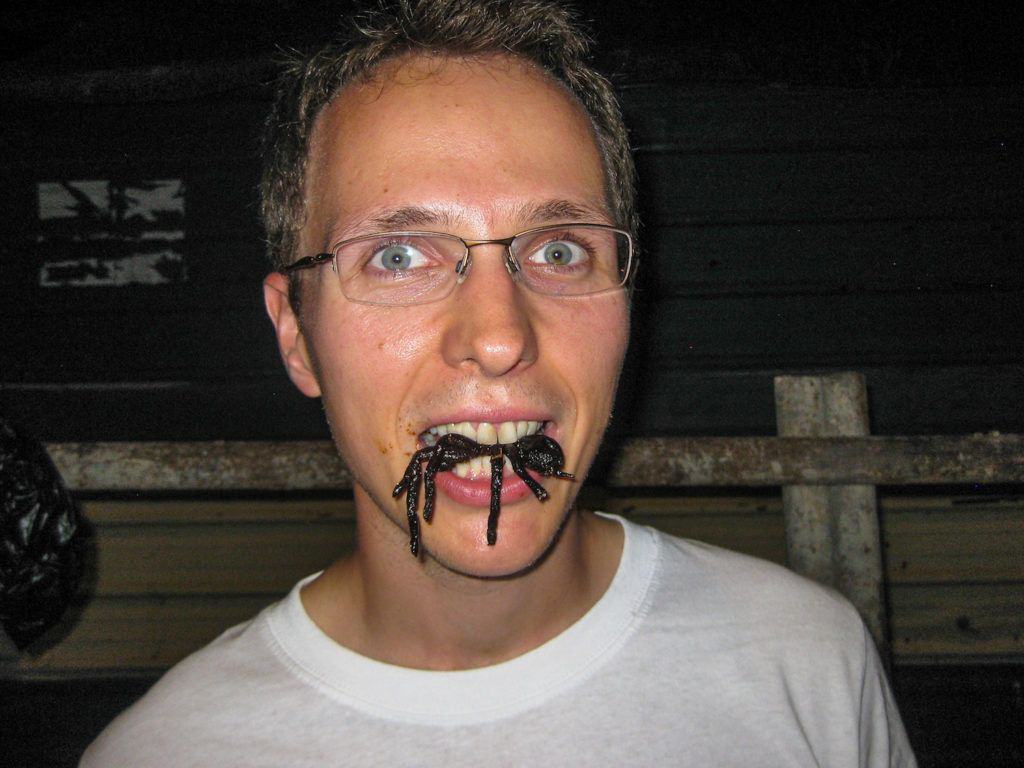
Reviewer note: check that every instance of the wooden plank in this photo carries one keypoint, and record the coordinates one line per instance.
(297, 512)
(667, 399)
(242, 546)
(928, 540)
(235, 342)
(175, 547)
(872, 184)
(925, 460)
(60, 135)
(216, 465)
(829, 257)
(690, 118)
(922, 546)
(942, 541)
(235, 409)
(663, 508)
(26, 299)
(748, 331)
(137, 634)
(689, 398)
(340, 508)
(755, 534)
(242, 558)
(962, 621)
(649, 462)
(761, 330)
(177, 81)
(741, 117)
(217, 558)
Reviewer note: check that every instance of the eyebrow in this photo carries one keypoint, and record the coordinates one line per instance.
(557, 210)
(409, 216)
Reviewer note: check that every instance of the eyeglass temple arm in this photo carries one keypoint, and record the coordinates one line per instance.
(308, 261)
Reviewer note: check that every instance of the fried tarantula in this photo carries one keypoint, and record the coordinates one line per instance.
(537, 452)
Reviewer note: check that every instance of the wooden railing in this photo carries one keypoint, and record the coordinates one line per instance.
(828, 475)
(650, 462)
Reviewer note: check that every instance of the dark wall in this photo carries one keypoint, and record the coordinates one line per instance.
(785, 230)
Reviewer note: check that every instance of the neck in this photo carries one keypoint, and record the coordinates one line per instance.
(386, 605)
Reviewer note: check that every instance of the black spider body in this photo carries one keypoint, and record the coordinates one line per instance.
(537, 452)
(541, 454)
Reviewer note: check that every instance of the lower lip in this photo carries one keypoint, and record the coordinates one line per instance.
(476, 492)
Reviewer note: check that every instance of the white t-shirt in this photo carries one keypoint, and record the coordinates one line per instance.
(694, 656)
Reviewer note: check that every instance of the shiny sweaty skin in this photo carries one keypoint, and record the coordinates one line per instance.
(488, 147)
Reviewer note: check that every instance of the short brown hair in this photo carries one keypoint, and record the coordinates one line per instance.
(542, 32)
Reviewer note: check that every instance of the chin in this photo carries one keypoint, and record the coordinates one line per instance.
(526, 535)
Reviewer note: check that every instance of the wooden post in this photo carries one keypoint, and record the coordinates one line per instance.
(832, 532)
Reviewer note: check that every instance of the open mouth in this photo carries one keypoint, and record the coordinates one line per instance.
(485, 433)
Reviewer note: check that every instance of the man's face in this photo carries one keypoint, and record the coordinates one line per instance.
(481, 149)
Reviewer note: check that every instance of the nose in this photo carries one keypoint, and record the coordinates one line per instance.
(491, 325)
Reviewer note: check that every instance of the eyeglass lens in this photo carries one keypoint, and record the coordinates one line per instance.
(405, 268)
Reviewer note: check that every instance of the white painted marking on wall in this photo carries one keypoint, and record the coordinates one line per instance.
(99, 232)
(141, 269)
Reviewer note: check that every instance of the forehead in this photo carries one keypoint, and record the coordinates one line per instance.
(480, 139)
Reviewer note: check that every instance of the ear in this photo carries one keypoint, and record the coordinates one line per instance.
(290, 341)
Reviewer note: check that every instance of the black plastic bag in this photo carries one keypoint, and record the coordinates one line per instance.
(42, 539)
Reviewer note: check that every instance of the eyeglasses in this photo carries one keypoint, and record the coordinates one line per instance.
(407, 268)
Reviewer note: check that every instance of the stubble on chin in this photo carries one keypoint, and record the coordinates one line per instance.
(389, 517)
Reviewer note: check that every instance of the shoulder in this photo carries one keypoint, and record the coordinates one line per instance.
(786, 659)
(710, 588)
(205, 693)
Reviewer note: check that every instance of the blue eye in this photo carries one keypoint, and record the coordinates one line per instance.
(559, 253)
(397, 257)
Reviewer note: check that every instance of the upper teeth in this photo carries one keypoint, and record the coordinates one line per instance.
(485, 433)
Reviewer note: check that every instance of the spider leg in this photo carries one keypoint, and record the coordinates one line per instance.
(515, 458)
(448, 454)
(429, 488)
(497, 468)
(412, 496)
(420, 456)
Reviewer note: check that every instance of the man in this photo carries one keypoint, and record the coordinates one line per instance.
(410, 157)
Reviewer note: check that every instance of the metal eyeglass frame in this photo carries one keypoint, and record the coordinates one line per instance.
(462, 265)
